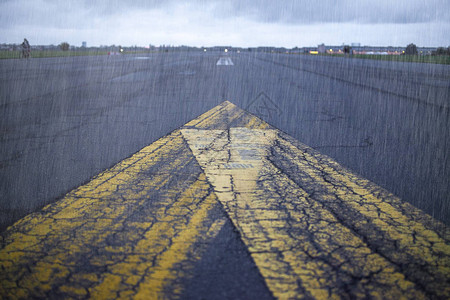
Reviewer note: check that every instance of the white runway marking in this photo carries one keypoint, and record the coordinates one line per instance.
(225, 61)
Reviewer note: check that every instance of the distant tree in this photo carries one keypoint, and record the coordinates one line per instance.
(347, 49)
(64, 46)
(443, 51)
(411, 49)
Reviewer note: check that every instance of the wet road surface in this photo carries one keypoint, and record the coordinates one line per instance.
(66, 120)
(308, 227)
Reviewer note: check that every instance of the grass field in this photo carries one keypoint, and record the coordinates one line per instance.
(49, 53)
(445, 59)
(400, 58)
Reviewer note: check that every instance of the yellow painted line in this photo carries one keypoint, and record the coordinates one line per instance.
(165, 271)
(306, 248)
(170, 241)
(119, 235)
(422, 244)
(225, 115)
(313, 229)
(207, 115)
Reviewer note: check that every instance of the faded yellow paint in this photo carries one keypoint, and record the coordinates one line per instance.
(388, 215)
(164, 272)
(169, 241)
(225, 115)
(108, 287)
(137, 229)
(282, 227)
(43, 251)
(255, 123)
(208, 115)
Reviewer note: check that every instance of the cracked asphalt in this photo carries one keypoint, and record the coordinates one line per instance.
(65, 120)
(232, 197)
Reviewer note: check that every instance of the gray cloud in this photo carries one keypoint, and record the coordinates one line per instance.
(167, 21)
(332, 11)
(286, 11)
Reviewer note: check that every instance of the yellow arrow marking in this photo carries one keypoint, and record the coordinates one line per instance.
(300, 245)
(403, 234)
(125, 233)
(313, 228)
(224, 116)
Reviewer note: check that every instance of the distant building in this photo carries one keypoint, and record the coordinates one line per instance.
(83, 44)
(321, 48)
(356, 45)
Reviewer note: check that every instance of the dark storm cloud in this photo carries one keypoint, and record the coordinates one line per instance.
(211, 22)
(270, 11)
(300, 11)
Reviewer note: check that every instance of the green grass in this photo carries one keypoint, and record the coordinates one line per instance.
(400, 58)
(59, 53)
(50, 53)
(445, 59)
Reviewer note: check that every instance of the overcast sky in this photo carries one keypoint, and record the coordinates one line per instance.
(245, 23)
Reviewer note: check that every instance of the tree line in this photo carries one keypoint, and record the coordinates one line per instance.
(411, 49)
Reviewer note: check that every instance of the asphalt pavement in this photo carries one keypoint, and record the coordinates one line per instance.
(226, 193)
(65, 120)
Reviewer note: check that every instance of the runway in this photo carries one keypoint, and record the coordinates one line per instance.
(226, 206)
(67, 124)
(64, 120)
